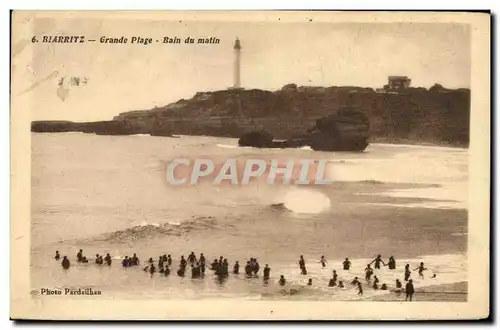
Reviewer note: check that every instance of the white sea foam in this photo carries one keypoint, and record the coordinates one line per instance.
(429, 205)
(444, 167)
(144, 224)
(416, 146)
(305, 201)
(227, 146)
(174, 223)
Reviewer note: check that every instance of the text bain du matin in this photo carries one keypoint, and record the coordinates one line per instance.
(165, 40)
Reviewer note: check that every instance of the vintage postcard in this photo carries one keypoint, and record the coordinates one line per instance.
(250, 165)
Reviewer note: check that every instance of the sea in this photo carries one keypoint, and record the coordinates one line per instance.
(108, 194)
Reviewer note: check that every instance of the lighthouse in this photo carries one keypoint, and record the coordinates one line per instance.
(237, 63)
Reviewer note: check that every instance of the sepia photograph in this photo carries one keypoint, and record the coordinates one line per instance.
(250, 165)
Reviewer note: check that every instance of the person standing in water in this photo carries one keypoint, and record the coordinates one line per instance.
(409, 290)
(65, 262)
(267, 272)
(421, 269)
(346, 264)
(126, 262)
(236, 268)
(108, 259)
(323, 261)
(202, 267)
(182, 267)
(152, 269)
(214, 265)
(334, 277)
(302, 262)
(407, 272)
(391, 263)
(182, 271)
(202, 262)
(360, 289)
(195, 271)
(225, 268)
(368, 272)
(166, 271)
(282, 280)
(248, 268)
(192, 258)
(183, 262)
(310, 282)
(256, 266)
(377, 261)
(134, 260)
(58, 256)
(79, 256)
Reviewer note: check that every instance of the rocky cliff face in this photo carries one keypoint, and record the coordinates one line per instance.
(437, 115)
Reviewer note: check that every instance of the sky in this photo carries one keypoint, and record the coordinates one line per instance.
(125, 77)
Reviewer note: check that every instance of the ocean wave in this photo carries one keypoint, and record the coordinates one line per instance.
(279, 207)
(145, 230)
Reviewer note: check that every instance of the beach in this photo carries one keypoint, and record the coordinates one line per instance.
(107, 194)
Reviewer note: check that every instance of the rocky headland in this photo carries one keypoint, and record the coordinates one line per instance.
(300, 115)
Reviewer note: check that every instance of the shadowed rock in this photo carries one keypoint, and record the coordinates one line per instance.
(345, 130)
(258, 139)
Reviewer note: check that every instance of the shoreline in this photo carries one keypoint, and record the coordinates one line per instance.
(409, 142)
(241, 287)
(372, 140)
(449, 292)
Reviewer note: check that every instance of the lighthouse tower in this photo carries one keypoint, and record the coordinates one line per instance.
(237, 63)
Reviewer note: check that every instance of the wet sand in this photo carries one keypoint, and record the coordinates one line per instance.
(453, 292)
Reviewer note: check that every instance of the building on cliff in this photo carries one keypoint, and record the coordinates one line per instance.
(398, 82)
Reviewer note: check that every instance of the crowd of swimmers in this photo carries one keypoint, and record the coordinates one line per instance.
(220, 268)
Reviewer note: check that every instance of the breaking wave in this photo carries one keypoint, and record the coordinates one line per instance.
(279, 207)
(145, 230)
